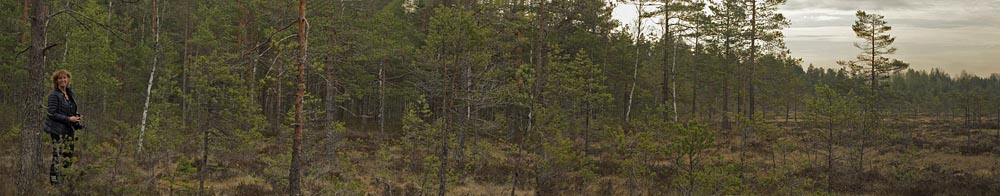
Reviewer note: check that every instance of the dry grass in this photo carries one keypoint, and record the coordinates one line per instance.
(486, 189)
(947, 162)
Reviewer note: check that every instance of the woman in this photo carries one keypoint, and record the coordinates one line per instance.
(63, 120)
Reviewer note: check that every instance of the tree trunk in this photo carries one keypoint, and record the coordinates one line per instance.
(540, 43)
(184, 67)
(443, 156)
(295, 173)
(690, 171)
(277, 113)
(152, 74)
(632, 181)
(753, 64)
(381, 97)
(586, 132)
(795, 116)
(673, 89)
(66, 36)
(30, 163)
(829, 158)
(873, 113)
(725, 86)
(694, 79)
(968, 124)
(638, 59)
(331, 105)
(204, 162)
(462, 136)
(788, 110)
(667, 42)
(24, 20)
(539, 85)
(520, 53)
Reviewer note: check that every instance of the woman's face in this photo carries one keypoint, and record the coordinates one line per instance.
(63, 81)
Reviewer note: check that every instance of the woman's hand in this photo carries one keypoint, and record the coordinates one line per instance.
(74, 119)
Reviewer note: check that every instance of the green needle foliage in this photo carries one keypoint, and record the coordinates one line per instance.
(475, 97)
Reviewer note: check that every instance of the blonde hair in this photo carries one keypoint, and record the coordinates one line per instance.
(56, 75)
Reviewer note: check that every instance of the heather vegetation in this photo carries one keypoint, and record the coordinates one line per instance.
(480, 97)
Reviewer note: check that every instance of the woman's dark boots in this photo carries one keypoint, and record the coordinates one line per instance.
(53, 171)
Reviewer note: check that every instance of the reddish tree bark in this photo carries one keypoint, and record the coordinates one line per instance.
(295, 172)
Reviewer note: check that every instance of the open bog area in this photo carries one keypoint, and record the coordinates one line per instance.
(499, 97)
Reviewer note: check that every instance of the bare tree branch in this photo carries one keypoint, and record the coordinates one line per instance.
(114, 31)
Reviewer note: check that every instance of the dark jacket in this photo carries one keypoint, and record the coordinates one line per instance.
(59, 111)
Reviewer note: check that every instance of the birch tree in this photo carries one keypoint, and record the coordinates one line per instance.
(677, 16)
(640, 6)
(152, 74)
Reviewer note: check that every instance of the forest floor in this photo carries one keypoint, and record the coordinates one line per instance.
(939, 158)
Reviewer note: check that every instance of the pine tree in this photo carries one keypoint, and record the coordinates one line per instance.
(454, 54)
(295, 172)
(729, 18)
(765, 23)
(30, 163)
(689, 152)
(872, 66)
(684, 12)
(829, 112)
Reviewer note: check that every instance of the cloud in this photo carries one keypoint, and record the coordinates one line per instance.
(935, 24)
(952, 35)
(825, 18)
(852, 4)
(969, 48)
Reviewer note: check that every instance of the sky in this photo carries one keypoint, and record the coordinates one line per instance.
(953, 35)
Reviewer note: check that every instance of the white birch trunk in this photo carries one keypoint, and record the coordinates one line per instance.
(152, 74)
(673, 89)
(635, 71)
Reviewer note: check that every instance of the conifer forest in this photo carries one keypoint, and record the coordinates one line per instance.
(496, 97)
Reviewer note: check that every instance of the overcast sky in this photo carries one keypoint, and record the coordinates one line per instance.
(953, 35)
